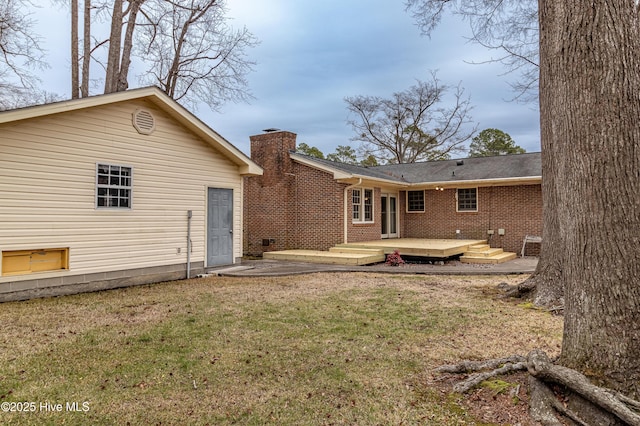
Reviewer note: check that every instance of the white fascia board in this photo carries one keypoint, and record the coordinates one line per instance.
(388, 183)
(527, 180)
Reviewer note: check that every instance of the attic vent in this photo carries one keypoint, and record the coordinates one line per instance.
(144, 121)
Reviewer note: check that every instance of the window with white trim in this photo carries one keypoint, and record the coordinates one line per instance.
(113, 186)
(362, 201)
(467, 199)
(415, 201)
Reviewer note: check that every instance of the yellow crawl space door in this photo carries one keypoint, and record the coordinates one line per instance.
(28, 261)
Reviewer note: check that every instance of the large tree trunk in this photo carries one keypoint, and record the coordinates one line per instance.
(590, 107)
(123, 74)
(115, 41)
(86, 49)
(75, 85)
(547, 283)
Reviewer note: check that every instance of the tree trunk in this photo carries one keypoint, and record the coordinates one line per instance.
(122, 77)
(86, 48)
(75, 80)
(590, 106)
(547, 282)
(113, 58)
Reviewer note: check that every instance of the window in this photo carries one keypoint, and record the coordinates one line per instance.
(467, 199)
(415, 201)
(355, 194)
(362, 200)
(113, 186)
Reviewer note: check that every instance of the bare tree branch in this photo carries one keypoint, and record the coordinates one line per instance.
(411, 126)
(20, 49)
(192, 53)
(507, 26)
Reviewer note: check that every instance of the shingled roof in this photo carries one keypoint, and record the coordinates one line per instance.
(502, 167)
(476, 168)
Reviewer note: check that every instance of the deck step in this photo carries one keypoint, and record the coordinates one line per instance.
(357, 250)
(316, 256)
(485, 252)
(497, 258)
(479, 247)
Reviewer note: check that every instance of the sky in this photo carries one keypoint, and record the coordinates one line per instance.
(314, 54)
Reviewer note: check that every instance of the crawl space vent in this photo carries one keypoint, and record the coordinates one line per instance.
(144, 122)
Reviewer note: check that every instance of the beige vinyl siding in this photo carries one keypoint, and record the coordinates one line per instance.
(48, 180)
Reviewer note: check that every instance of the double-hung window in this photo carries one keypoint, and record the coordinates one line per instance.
(467, 199)
(362, 201)
(415, 201)
(113, 186)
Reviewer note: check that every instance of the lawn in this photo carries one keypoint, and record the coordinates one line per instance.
(345, 348)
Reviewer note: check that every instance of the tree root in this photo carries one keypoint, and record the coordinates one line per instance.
(521, 290)
(497, 366)
(544, 404)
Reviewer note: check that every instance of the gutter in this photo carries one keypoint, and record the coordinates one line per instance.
(525, 180)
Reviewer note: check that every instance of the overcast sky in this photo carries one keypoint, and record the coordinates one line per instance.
(313, 54)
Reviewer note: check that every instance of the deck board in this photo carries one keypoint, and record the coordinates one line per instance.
(314, 256)
(421, 247)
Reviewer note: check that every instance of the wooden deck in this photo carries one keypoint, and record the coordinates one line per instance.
(368, 252)
(420, 247)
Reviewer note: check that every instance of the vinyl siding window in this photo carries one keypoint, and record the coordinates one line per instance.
(415, 201)
(362, 200)
(113, 186)
(467, 199)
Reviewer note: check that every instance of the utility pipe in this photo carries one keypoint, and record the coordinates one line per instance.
(346, 208)
(189, 216)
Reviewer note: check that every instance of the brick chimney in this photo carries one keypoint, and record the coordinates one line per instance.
(268, 198)
(270, 151)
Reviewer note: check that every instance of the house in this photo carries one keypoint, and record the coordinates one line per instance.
(301, 202)
(114, 190)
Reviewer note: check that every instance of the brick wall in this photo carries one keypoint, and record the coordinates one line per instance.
(516, 209)
(316, 219)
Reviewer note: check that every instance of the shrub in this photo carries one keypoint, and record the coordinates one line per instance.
(394, 259)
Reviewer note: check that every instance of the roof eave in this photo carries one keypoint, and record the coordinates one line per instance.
(341, 175)
(522, 180)
(389, 183)
(337, 174)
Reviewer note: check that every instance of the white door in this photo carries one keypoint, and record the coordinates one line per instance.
(389, 216)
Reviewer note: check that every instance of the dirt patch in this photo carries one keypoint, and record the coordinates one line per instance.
(504, 403)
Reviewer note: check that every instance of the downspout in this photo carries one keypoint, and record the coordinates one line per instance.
(346, 209)
(189, 216)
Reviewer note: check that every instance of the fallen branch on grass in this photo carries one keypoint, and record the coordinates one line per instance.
(544, 404)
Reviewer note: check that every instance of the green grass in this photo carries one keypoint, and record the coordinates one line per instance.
(320, 349)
